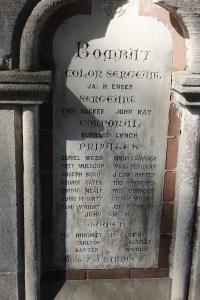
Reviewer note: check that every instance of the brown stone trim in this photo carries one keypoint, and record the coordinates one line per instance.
(76, 275)
(149, 273)
(167, 218)
(108, 274)
(147, 8)
(169, 187)
(174, 121)
(165, 243)
(172, 153)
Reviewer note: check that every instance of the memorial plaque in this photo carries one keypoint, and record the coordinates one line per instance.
(111, 103)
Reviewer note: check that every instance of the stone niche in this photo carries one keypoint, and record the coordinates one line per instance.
(111, 96)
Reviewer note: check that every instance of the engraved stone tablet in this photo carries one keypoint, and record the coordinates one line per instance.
(111, 102)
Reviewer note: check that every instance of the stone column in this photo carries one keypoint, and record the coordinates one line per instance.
(186, 87)
(31, 201)
(194, 291)
(20, 95)
(11, 203)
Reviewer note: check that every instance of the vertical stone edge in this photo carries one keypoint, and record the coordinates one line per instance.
(12, 267)
(31, 201)
(194, 290)
(186, 191)
(19, 193)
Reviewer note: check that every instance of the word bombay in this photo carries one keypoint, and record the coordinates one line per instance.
(85, 51)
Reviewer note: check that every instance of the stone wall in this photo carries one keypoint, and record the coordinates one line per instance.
(13, 18)
(21, 93)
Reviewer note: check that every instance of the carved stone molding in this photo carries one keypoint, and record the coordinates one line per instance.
(29, 42)
(25, 87)
(187, 88)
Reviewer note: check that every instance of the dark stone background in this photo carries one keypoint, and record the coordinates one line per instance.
(13, 16)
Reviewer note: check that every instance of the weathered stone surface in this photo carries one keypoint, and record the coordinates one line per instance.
(184, 82)
(110, 132)
(155, 289)
(194, 290)
(24, 88)
(187, 13)
(21, 88)
(13, 15)
(11, 286)
(186, 79)
(32, 218)
(186, 86)
(11, 250)
(9, 11)
(14, 77)
(29, 50)
(186, 193)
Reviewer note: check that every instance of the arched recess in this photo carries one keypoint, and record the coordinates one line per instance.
(18, 29)
(29, 50)
(186, 11)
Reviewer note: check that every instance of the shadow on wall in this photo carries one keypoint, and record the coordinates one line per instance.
(80, 7)
(46, 42)
(18, 29)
